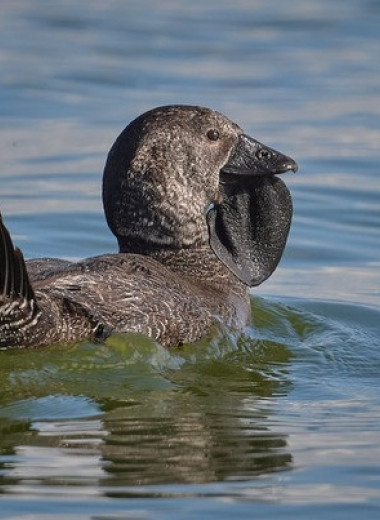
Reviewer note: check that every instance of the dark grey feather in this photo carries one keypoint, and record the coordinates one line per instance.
(193, 232)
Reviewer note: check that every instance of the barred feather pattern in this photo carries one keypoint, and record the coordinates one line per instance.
(19, 312)
(18, 318)
(31, 317)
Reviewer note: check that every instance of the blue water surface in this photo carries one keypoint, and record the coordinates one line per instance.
(281, 422)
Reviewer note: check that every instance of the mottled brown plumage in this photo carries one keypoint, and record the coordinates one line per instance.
(198, 215)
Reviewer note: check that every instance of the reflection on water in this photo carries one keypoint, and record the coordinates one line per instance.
(130, 413)
(149, 416)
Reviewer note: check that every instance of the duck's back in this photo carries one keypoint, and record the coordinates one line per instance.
(131, 293)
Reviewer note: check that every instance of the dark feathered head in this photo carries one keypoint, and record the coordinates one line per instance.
(185, 177)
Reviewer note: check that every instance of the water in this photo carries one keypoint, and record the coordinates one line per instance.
(281, 422)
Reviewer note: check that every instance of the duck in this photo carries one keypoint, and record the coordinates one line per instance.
(200, 216)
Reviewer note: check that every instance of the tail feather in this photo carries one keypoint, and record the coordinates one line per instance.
(14, 280)
(18, 309)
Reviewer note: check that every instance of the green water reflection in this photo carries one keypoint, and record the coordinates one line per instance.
(144, 414)
(130, 418)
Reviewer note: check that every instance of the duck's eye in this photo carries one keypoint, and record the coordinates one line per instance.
(213, 134)
(263, 154)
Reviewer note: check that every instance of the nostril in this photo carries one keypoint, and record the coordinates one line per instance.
(263, 154)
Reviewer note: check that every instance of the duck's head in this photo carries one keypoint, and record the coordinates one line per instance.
(187, 177)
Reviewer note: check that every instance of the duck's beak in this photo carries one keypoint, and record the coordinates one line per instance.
(249, 157)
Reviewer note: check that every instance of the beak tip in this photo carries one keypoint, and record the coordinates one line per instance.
(294, 168)
(291, 166)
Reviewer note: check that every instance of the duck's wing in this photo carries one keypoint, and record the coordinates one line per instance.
(40, 269)
(18, 308)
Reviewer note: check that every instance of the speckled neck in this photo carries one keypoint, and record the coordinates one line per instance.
(201, 264)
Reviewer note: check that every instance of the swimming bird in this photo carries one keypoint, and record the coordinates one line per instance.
(199, 215)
